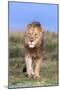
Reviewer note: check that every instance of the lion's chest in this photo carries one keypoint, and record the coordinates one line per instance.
(35, 53)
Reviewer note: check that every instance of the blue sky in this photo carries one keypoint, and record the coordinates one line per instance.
(21, 14)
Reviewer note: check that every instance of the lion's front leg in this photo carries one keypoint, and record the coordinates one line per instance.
(29, 68)
(37, 67)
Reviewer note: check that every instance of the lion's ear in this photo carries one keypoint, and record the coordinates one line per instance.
(29, 26)
(42, 29)
(41, 33)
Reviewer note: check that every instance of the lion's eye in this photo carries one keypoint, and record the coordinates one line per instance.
(35, 35)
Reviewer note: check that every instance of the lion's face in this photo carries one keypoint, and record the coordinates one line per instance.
(32, 36)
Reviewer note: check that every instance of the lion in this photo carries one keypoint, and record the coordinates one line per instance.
(33, 43)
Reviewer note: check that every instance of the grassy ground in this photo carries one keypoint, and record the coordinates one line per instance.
(49, 67)
(48, 76)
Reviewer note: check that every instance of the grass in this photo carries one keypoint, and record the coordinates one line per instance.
(48, 76)
(49, 67)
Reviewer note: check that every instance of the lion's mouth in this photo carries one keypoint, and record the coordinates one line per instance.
(31, 44)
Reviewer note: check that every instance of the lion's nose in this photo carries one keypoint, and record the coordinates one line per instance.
(31, 40)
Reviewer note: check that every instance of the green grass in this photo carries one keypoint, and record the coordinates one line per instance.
(48, 75)
(49, 68)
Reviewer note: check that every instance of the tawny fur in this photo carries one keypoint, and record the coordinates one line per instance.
(33, 42)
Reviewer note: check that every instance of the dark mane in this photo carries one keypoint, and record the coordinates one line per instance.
(36, 24)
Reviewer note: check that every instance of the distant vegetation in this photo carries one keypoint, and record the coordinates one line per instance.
(16, 61)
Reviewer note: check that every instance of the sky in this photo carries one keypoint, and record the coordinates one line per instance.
(21, 14)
